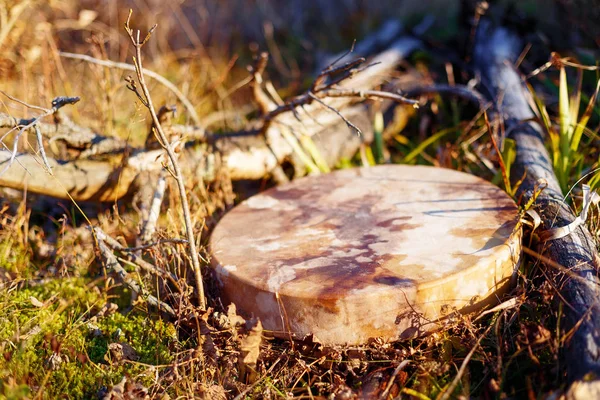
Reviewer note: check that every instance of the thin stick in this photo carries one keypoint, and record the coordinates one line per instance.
(553, 264)
(154, 212)
(57, 104)
(308, 98)
(368, 94)
(128, 67)
(113, 244)
(350, 124)
(461, 91)
(23, 103)
(399, 368)
(505, 177)
(162, 138)
(448, 392)
(113, 264)
(38, 135)
(325, 85)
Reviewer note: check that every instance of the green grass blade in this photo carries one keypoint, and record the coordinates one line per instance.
(426, 143)
(575, 99)
(566, 129)
(564, 115)
(509, 154)
(554, 136)
(582, 124)
(297, 148)
(369, 158)
(311, 148)
(594, 181)
(378, 137)
(415, 394)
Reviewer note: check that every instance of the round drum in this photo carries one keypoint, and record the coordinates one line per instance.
(386, 252)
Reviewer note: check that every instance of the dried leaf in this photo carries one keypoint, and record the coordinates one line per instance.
(35, 302)
(86, 17)
(125, 390)
(118, 352)
(233, 317)
(250, 350)
(212, 392)
(54, 361)
(208, 345)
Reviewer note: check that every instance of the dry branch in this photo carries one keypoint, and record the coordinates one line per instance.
(169, 148)
(84, 141)
(495, 51)
(459, 91)
(24, 125)
(245, 156)
(136, 259)
(112, 263)
(127, 67)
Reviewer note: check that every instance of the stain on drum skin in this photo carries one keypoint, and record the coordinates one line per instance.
(387, 251)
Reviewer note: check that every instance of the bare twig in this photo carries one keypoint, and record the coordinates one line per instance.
(23, 103)
(113, 264)
(309, 97)
(265, 104)
(40, 142)
(326, 79)
(75, 137)
(113, 244)
(350, 124)
(557, 61)
(461, 91)
(324, 86)
(388, 387)
(450, 389)
(128, 67)
(150, 224)
(162, 138)
(137, 260)
(25, 125)
(368, 94)
(387, 32)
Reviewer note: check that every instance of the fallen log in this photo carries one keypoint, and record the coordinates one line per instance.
(495, 51)
(110, 178)
(244, 157)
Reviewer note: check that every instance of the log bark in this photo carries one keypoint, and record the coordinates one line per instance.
(495, 51)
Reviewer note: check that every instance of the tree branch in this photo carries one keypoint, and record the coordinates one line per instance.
(164, 141)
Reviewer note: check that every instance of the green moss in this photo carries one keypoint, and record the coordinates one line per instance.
(121, 296)
(14, 392)
(149, 337)
(52, 318)
(15, 258)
